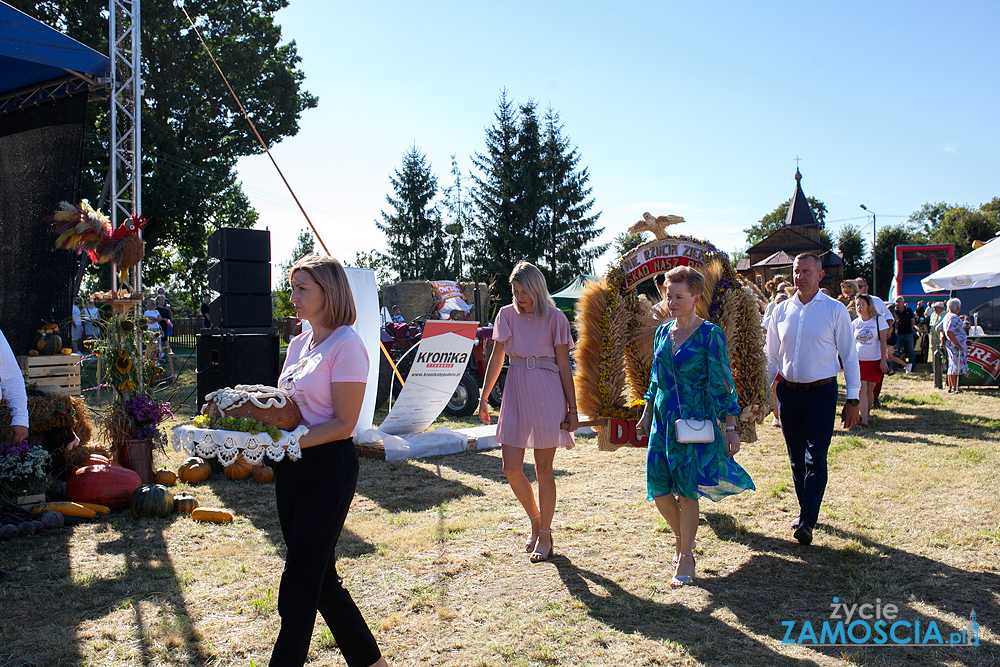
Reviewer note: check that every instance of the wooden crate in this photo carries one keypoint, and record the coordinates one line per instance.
(60, 370)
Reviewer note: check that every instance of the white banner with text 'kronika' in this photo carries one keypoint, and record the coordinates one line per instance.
(441, 358)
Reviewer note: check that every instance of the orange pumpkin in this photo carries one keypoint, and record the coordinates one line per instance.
(194, 470)
(165, 476)
(262, 474)
(239, 469)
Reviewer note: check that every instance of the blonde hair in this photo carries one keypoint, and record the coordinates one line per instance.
(685, 274)
(329, 274)
(848, 287)
(533, 282)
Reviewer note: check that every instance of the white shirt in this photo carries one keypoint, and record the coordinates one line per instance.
(866, 338)
(881, 309)
(12, 384)
(151, 315)
(805, 339)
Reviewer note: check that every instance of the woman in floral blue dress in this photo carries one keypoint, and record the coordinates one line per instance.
(690, 368)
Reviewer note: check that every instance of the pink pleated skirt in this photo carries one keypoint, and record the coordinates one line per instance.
(533, 407)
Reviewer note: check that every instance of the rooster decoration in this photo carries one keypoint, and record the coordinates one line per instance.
(85, 229)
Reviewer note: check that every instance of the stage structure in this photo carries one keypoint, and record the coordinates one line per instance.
(126, 121)
(46, 81)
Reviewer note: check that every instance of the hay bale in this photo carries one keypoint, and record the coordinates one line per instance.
(417, 297)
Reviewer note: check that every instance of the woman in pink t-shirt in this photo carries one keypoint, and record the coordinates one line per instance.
(325, 373)
(538, 397)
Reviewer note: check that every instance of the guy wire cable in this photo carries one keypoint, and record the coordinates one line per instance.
(254, 128)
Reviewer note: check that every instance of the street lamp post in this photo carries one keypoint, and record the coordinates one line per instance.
(874, 240)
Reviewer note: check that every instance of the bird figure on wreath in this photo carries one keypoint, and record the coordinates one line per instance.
(86, 230)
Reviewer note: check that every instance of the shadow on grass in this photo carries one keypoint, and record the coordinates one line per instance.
(785, 581)
(402, 486)
(917, 420)
(255, 503)
(709, 640)
(489, 466)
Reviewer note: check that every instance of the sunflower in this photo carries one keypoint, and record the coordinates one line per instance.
(127, 385)
(127, 326)
(122, 362)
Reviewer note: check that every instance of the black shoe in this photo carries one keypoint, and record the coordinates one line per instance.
(804, 534)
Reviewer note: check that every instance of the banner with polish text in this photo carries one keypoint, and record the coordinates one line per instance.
(440, 360)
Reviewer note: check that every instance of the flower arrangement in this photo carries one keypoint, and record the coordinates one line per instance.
(22, 468)
(128, 349)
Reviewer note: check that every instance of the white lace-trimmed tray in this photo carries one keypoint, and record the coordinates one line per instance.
(228, 445)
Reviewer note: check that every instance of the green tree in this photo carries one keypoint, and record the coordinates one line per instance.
(378, 263)
(532, 200)
(456, 206)
(281, 304)
(774, 221)
(567, 225)
(625, 242)
(493, 251)
(962, 226)
(851, 244)
(193, 133)
(925, 220)
(414, 231)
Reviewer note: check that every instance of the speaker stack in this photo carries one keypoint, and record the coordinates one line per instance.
(243, 346)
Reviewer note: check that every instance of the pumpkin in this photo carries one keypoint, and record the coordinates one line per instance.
(94, 459)
(32, 353)
(262, 474)
(194, 470)
(152, 501)
(66, 350)
(239, 469)
(48, 342)
(107, 485)
(213, 514)
(165, 476)
(185, 504)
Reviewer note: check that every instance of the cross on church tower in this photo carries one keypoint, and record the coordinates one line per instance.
(797, 160)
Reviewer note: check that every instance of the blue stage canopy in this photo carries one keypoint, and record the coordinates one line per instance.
(34, 57)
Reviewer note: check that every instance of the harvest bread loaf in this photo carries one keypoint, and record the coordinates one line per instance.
(269, 405)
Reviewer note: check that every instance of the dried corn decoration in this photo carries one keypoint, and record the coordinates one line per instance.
(615, 328)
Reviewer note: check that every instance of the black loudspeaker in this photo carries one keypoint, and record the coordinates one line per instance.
(242, 245)
(242, 310)
(229, 359)
(229, 277)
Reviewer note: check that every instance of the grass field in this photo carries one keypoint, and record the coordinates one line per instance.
(432, 552)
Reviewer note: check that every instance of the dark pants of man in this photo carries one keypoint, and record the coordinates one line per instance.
(807, 424)
(904, 349)
(313, 496)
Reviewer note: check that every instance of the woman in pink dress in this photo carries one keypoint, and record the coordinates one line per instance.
(538, 397)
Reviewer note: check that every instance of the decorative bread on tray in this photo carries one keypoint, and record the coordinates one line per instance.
(268, 405)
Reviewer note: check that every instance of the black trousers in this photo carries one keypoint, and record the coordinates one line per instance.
(313, 496)
(807, 424)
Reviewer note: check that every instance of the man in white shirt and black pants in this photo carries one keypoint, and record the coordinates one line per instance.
(805, 336)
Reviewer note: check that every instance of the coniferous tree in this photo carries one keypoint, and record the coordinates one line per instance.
(457, 207)
(568, 226)
(416, 239)
(532, 200)
(492, 254)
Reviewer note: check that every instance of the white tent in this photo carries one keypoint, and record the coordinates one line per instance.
(980, 268)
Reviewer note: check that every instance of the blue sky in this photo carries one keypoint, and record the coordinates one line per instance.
(697, 109)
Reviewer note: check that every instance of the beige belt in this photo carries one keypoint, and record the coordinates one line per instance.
(545, 363)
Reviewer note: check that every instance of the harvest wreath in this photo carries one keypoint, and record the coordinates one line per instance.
(616, 327)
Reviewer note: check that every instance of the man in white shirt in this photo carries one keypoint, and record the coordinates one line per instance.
(805, 336)
(12, 389)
